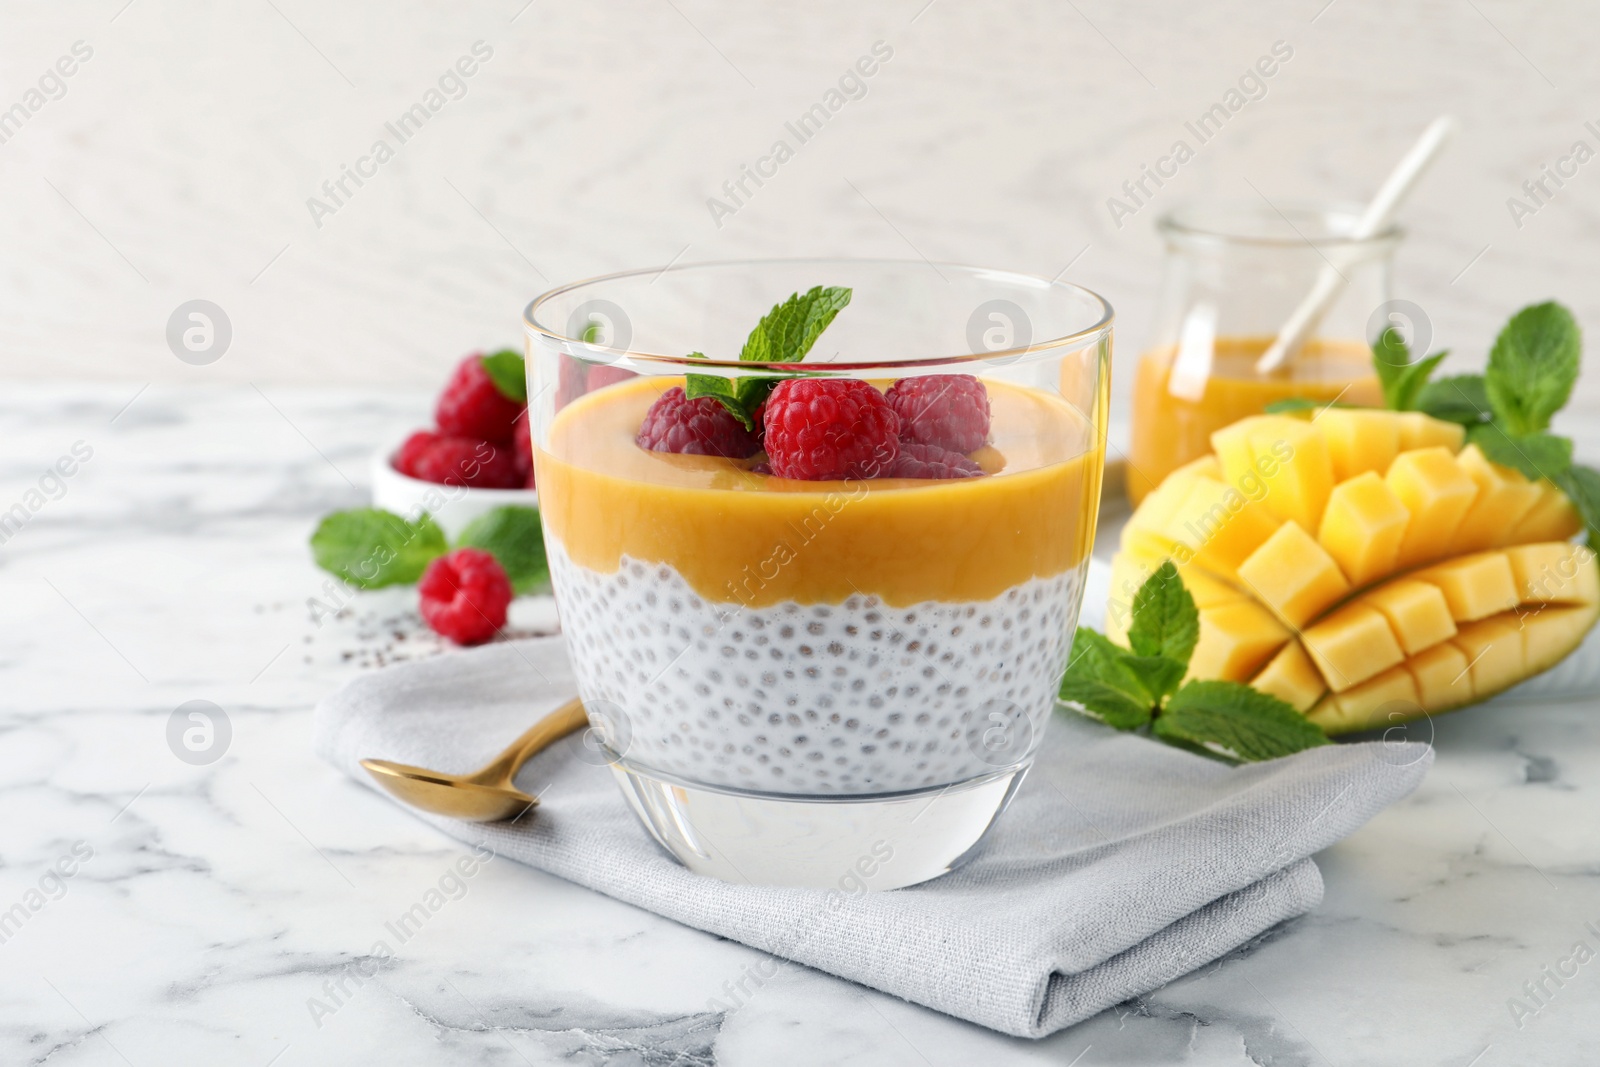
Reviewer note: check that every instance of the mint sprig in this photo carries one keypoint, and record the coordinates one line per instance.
(1138, 687)
(1401, 379)
(1532, 368)
(784, 335)
(371, 548)
(509, 373)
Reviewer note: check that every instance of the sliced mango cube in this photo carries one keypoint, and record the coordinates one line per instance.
(1554, 572)
(1553, 518)
(1219, 526)
(1443, 680)
(1360, 440)
(1294, 576)
(1235, 640)
(1424, 431)
(1437, 493)
(1286, 457)
(1390, 697)
(1494, 652)
(1474, 586)
(1352, 645)
(1550, 634)
(1504, 498)
(1362, 528)
(1292, 678)
(1417, 612)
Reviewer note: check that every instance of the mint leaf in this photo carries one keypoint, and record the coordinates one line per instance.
(1158, 674)
(789, 330)
(1390, 356)
(509, 373)
(1582, 485)
(1400, 379)
(1461, 398)
(741, 396)
(371, 548)
(1235, 721)
(513, 536)
(1165, 620)
(1537, 455)
(1532, 367)
(1099, 678)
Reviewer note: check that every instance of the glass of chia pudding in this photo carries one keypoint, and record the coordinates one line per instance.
(817, 531)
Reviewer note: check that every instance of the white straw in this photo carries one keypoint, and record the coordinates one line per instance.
(1380, 212)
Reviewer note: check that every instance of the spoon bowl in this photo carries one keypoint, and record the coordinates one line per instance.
(486, 795)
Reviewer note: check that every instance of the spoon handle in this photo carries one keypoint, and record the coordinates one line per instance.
(566, 719)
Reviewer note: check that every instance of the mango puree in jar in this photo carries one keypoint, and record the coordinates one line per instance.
(1173, 421)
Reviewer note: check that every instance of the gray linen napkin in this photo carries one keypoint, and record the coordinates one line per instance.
(1120, 865)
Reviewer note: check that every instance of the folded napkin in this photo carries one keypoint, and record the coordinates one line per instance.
(1121, 864)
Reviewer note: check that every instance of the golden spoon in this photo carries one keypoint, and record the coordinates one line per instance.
(487, 795)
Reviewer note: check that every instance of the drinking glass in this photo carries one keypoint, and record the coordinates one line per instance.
(818, 683)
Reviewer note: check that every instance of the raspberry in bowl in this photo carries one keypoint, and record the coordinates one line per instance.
(819, 601)
(478, 455)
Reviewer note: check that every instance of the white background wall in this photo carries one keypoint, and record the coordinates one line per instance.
(178, 162)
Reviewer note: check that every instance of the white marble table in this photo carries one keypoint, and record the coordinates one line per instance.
(218, 904)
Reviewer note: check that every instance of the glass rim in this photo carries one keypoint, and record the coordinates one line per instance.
(1034, 350)
(1184, 223)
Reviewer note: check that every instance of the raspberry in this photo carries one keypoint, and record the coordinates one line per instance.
(699, 427)
(830, 428)
(931, 461)
(459, 461)
(522, 448)
(471, 405)
(948, 410)
(405, 460)
(464, 595)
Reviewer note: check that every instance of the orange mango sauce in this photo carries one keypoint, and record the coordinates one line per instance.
(758, 540)
(1169, 431)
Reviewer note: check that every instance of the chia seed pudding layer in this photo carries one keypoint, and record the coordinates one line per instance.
(815, 699)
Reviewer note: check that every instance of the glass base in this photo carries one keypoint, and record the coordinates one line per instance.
(849, 843)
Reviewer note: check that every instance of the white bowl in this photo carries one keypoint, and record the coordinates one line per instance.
(452, 506)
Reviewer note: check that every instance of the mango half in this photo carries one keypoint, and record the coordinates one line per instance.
(1363, 565)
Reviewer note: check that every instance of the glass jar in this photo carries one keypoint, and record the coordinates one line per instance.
(1233, 277)
(794, 680)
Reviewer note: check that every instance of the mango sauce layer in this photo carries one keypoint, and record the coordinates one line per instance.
(741, 537)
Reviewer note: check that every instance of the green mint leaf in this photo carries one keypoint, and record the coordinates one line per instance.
(1461, 398)
(1582, 485)
(1537, 455)
(1390, 357)
(1235, 721)
(727, 392)
(1410, 381)
(509, 374)
(371, 548)
(1400, 378)
(512, 535)
(789, 330)
(1158, 674)
(1099, 678)
(1532, 367)
(1165, 620)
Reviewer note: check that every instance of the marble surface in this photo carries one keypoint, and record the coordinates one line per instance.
(222, 910)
